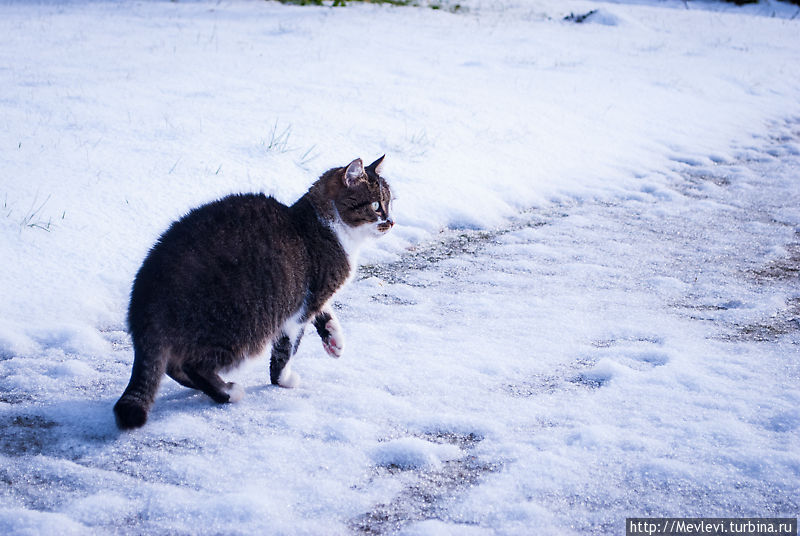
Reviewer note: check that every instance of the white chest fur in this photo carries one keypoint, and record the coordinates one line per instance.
(352, 239)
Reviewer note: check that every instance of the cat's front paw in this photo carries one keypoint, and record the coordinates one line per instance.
(334, 341)
(289, 379)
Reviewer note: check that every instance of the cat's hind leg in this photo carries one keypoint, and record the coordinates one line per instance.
(208, 381)
(176, 372)
(330, 331)
(148, 367)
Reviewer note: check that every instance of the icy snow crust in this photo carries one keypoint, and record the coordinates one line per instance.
(606, 325)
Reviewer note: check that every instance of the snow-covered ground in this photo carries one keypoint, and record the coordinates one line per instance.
(588, 310)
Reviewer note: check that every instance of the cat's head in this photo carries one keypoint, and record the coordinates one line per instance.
(363, 197)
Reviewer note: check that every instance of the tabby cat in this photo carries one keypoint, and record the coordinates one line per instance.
(242, 272)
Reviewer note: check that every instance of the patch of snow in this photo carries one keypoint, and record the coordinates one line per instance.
(25, 522)
(413, 453)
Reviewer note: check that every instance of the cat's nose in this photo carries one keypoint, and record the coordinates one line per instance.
(390, 222)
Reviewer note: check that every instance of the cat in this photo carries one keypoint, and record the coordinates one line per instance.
(242, 272)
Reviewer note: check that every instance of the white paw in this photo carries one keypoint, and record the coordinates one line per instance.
(334, 344)
(289, 379)
(236, 392)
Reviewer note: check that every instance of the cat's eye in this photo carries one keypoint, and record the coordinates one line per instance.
(375, 206)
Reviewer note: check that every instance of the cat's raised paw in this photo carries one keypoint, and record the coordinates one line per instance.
(334, 342)
(333, 347)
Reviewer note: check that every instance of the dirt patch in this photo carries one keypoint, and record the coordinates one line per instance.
(781, 271)
(430, 492)
(781, 323)
(450, 243)
(785, 269)
(23, 435)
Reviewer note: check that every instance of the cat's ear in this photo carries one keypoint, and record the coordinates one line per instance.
(353, 173)
(377, 165)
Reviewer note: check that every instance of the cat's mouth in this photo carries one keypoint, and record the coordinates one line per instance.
(384, 226)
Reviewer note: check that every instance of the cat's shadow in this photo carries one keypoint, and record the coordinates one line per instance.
(77, 427)
(71, 428)
(63, 429)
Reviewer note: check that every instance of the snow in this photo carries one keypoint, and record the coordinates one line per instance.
(588, 308)
(414, 453)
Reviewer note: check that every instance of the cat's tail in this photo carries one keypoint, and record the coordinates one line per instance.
(134, 404)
